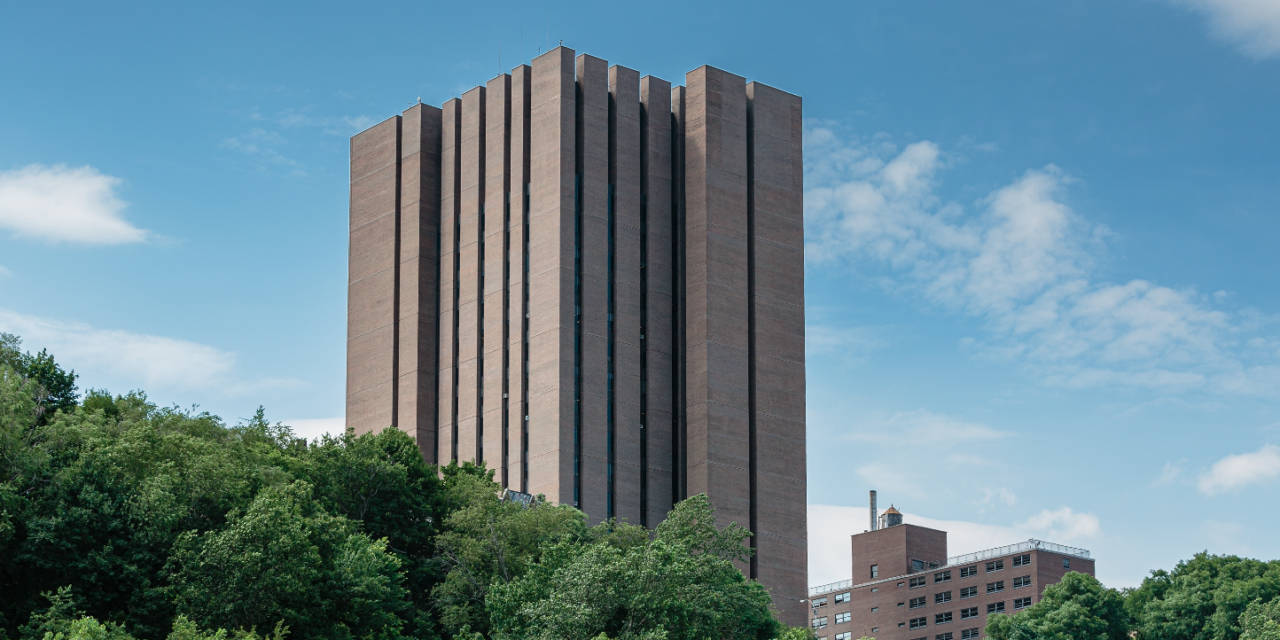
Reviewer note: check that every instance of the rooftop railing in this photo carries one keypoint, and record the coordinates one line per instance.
(1029, 545)
(827, 588)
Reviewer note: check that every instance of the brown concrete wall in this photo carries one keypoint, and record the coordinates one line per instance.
(659, 472)
(518, 164)
(372, 271)
(419, 275)
(716, 291)
(470, 329)
(624, 175)
(776, 180)
(450, 121)
(497, 139)
(551, 243)
(593, 166)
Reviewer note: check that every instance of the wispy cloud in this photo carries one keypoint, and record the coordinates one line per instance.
(265, 148)
(5, 272)
(1252, 26)
(58, 203)
(122, 360)
(1169, 474)
(923, 428)
(839, 341)
(1022, 260)
(1241, 470)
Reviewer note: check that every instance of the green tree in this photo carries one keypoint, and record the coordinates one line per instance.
(53, 388)
(286, 560)
(1261, 621)
(1201, 598)
(681, 584)
(486, 542)
(1076, 608)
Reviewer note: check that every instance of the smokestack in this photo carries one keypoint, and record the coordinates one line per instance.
(873, 510)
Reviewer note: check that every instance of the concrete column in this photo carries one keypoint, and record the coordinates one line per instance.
(679, 423)
(496, 174)
(777, 266)
(419, 274)
(470, 330)
(450, 119)
(624, 169)
(372, 270)
(518, 163)
(659, 473)
(716, 291)
(593, 167)
(551, 245)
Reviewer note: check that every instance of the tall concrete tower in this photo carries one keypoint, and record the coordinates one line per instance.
(593, 283)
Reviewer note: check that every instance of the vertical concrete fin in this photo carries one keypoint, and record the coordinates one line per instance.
(777, 227)
(497, 138)
(419, 271)
(517, 282)
(470, 305)
(373, 264)
(552, 157)
(450, 121)
(657, 378)
(716, 274)
(592, 273)
(625, 454)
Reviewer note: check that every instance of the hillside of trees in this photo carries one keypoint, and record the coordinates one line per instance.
(120, 519)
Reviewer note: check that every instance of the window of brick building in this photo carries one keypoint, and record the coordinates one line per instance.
(918, 582)
(916, 603)
(971, 612)
(942, 618)
(939, 598)
(969, 634)
(916, 623)
(993, 587)
(842, 618)
(1022, 560)
(1021, 603)
(819, 623)
(966, 572)
(844, 636)
(1066, 563)
(819, 602)
(943, 636)
(995, 607)
(917, 565)
(1021, 581)
(968, 592)
(842, 597)
(995, 565)
(875, 571)
(942, 576)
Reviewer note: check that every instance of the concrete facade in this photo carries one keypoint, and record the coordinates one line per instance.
(904, 587)
(593, 283)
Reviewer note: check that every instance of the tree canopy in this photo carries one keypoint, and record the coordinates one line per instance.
(123, 520)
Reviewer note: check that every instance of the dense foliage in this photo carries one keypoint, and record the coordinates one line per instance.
(120, 519)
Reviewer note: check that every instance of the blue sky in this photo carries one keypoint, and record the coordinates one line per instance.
(1041, 236)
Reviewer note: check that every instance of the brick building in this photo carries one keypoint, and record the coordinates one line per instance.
(593, 283)
(904, 587)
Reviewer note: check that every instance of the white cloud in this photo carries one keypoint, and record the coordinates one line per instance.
(924, 428)
(1021, 260)
(1241, 470)
(831, 525)
(1169, 474)
(5, 272)
(839, 341)
(1253, 26)
(314, 428)
(65, 204)
(263, 146)
(123, 360)
(1003, 495)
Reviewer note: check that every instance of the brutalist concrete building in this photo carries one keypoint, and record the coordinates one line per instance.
(904, 587)
(593, 282)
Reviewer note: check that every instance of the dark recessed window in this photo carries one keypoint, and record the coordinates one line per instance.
(968, 592)
(969, 634)
(1066, 563)
(942, 618)
(1021, 581)
(918, 582)
(1021, 603)
(995, 565)
(942, 576)
(916, 623)
(995, 607)
(916, 603)
(972, 570)
(939, 598)
(1022, 560)
(971, 612)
